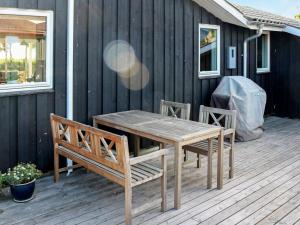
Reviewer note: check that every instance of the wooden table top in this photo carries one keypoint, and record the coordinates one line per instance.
(155, 124)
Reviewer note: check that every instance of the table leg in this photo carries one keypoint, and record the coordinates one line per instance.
(178, 168)
(220, 160)
(137, 145)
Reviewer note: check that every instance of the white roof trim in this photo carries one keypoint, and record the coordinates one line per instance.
(229, 14)
(232, 10)
(225, 11)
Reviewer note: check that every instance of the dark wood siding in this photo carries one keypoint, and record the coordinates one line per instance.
(24, 129)
(286, 79)
(164, 35)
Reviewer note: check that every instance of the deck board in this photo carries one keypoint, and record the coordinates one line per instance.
(265, 190)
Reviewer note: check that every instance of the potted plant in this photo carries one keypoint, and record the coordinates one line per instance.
(21, 180)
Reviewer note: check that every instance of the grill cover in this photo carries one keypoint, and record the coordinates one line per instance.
(245, 96)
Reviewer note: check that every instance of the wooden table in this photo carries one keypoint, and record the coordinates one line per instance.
(167, 130)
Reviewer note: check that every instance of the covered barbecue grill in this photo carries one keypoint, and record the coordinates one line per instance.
(249, 99)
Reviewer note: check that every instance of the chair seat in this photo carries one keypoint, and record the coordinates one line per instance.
(144, 172)
(202, 147)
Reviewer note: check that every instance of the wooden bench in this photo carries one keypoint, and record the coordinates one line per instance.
(107, 154)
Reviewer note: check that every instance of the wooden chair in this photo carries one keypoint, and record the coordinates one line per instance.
(219, 117)
(107, 154)
(177, 110)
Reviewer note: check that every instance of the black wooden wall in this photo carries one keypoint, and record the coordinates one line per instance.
(24, 119)
(286, 69)
(164, 35)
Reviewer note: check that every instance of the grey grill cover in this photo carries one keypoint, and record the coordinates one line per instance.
(245, 96)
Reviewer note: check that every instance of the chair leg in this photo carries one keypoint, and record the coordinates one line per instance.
(128, 205)
(198, 160)
(164, 184)
(209, 165)
(231, 158)
(56, 165)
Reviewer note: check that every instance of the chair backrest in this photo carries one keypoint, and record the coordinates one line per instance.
(175, 109)
(103, 147)
(219, 117)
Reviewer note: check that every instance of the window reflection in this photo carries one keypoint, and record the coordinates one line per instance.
(22, 49)
(208, 49)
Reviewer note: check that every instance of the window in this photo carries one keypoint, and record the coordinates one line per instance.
(263, 53)
(209, 50)
(26, 44)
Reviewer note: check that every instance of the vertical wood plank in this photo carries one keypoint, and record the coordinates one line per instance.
(179, 50)
(4, 133)
(240, 50)
(94, 62)
(227, 43)
(234, 43)
(158, 67)
(13, 130)
(136, 43)
(60, 57)
(169, 50)
(80, 60)
(28, 4)
(123, 34)
(197, 95)
(45, 106)
(189, 44)
(147, 56)
(9, 3)
(27, 121)
(109, 77)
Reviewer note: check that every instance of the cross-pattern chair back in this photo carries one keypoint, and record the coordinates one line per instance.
(219, 117)
(108, 149)
(175, 109)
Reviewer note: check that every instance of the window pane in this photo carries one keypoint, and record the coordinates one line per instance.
(208, 49)
(262, 51)
(22, 49)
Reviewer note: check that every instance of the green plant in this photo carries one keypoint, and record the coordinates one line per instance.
(22, 174)
(2, 180)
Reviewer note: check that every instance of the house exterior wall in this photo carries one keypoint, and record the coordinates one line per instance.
(286, 74)
(24, 119)
(164, 35)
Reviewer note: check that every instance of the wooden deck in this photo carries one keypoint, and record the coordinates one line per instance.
(265, 190)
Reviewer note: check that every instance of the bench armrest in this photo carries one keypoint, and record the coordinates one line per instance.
(149, 156)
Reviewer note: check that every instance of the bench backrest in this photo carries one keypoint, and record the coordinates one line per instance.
(103, 147)
(219, 117)
(175, 109)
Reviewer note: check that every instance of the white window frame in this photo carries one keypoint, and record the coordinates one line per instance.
(268, 68)
(48, 84)
(203, 74)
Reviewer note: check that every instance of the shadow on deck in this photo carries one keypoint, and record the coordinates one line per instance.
(265, 190)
